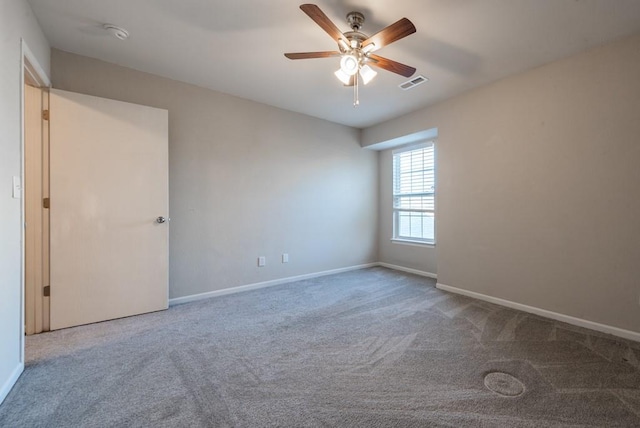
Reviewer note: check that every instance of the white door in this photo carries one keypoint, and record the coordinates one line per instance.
(109, 186)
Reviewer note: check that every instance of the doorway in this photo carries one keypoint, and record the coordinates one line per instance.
(95, 208)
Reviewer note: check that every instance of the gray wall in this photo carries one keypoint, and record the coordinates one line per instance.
(538, 178)
(16, 21)
(247, 180)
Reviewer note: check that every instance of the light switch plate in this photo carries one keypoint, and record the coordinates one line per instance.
(17, 187)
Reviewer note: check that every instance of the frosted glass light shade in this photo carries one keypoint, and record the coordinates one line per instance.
(367, 74)
(349, 64)
(368, 48)
(342, 76)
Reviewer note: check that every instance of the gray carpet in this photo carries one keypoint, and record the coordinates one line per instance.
(369, 348)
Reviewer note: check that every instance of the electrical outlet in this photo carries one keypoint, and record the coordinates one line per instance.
(285, 258)
(262, 261)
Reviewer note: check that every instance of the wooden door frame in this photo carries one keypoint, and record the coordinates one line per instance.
(33, 192)
(30, 70)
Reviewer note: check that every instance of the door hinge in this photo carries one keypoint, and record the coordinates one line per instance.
(45, 114)
(46, 291)
(46, 203)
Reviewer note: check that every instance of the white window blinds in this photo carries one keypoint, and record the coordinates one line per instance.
(414, 193)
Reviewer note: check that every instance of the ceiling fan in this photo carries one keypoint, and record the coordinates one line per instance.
(356, 48)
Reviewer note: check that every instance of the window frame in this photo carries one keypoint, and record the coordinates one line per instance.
(396, 238)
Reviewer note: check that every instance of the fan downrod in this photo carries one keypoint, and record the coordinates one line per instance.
(355, 20)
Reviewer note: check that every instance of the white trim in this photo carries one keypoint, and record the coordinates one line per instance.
(23, 241)
(409, 270)
(413, 146)
(33, 67)
(422, 244)
(6, 388)
(257, 285)
(626, 334)
(426, 134)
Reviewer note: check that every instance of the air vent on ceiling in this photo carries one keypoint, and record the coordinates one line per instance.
(413, 82)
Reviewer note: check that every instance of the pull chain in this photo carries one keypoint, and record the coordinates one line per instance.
(356, 97)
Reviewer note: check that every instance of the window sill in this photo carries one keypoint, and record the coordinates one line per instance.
(413, 243)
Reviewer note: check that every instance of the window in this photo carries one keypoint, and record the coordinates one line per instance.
(414, 193)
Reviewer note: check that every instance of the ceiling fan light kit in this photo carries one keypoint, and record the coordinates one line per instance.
(342, 76)
(367, 73)
(355, 48)
(349, 64)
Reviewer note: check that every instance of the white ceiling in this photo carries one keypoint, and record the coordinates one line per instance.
(237, 46)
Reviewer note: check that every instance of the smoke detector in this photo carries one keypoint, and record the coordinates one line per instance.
(117, 32)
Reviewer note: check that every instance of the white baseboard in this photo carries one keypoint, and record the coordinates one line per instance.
(615, 331)
(257, 285)
(409, 270)
(13, 378)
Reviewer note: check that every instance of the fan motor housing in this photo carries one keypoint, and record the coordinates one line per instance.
(356, 35)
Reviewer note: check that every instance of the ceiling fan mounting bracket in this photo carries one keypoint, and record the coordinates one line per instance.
(355, 20)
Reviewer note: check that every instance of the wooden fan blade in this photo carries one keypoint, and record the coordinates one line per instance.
(392, 33)
(308, 55)
(323, 21)
(392, 66)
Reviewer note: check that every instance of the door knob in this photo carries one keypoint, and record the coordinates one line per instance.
(161, 220)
